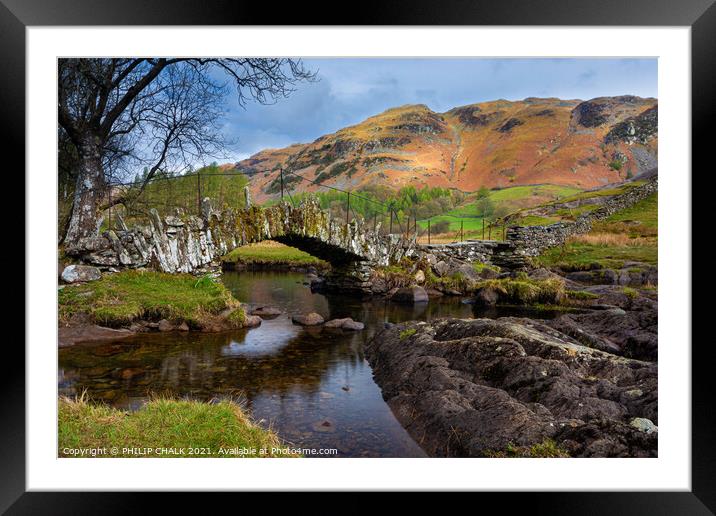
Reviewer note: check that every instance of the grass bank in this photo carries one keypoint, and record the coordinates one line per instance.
(200, 429)
(522, 290)
(630, 235)
(117, 300)
(270, 253)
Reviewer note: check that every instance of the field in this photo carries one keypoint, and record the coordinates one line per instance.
(630, 235)
(508, 200)
(271, 253)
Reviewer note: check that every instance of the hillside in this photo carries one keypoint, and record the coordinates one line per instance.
(581, 144)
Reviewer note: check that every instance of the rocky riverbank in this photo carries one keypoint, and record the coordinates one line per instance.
(482, 388)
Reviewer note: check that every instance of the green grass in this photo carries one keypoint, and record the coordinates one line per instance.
(511, 199)
(405, 334)
(121, 298)
(645, 213)
(576, 256)
(601, 193)
(162, 423)
(545, 449)
(522, 290)
(480, 267)
(270, 252)
(580, 295)
(638, 228)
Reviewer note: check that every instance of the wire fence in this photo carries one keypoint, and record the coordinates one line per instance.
(127, 202)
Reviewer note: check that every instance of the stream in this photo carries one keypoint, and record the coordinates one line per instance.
(311, 385)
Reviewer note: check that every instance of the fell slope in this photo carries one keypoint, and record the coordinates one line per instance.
(495, 144)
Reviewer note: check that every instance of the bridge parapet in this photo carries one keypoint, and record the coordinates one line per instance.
(187, 243)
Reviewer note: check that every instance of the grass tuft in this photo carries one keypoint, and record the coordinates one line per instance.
(119, 299)
(161, 423)
(406, 334)
(522, 290)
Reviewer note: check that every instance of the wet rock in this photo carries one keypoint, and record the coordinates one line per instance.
(410, 295)
(253, 321)
(265, 311)
(80, 273)
(67, 336)
(183, 327)
(345, 324)
(324, 426)
(474, 387)
(311, 319)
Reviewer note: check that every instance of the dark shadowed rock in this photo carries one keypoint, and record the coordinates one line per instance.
(80, 273)
(632, 333)
(312, 319)
(485, 296)
(410, 295)
(474, 387)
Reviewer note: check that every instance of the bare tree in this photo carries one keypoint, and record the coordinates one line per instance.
(162, 114)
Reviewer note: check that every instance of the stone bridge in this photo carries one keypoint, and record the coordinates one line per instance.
(189, 243)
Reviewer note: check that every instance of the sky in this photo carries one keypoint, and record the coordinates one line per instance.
(349, 90)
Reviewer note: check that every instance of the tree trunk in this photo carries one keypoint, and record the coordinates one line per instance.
(89, 191)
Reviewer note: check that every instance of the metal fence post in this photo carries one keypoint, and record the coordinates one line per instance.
(428, 231)
(281, 169)
(462, 236)
(483, 228)
(390, 232)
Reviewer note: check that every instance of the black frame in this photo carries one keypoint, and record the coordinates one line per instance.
(700, 15)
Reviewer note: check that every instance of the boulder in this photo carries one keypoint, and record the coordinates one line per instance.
(486, 296)
(252, 321)
(410, 295)
(480, 387)
(644, 425)
(165, 325)
(265, 311)
(441, 268)
(311, 319)
(345, 324)
(80, 273)
(420, 277)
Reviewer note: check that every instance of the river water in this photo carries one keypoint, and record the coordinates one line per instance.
(313, 386)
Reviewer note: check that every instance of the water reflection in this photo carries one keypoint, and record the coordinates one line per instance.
(312, 385)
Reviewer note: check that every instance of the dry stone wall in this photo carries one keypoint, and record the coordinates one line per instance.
(533, 240)
(528, 241)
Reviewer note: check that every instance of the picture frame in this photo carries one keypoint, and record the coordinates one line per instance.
(700, 15)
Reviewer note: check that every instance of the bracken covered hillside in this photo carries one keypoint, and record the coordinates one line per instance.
(496, 144)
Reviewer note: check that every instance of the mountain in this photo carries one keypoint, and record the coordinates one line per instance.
(496, 144)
